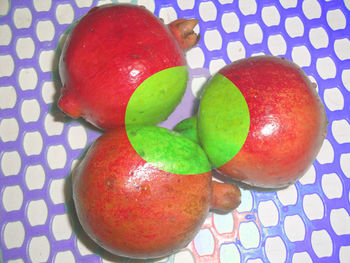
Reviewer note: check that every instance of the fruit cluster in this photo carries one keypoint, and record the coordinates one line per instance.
(143, 191)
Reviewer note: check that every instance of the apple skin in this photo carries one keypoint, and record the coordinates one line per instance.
(133, 209)
(108, 54)
(287, 122)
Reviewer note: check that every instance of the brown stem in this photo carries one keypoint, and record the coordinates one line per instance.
(182, 29)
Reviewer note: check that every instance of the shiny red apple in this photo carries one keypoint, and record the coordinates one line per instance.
(144, 192)
(261, 121)
(115, 50)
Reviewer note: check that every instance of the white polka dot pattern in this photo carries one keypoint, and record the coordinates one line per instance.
(306, 222)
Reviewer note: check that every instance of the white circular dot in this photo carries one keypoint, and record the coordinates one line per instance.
(294, 26)
(332, 186)
(47, 60)
(326, 68)
(321, 243)
(30, 110)
(35, 177)
(195, 58)
(311, 9)
(294, 228)
(9, 130)
(64, 256)
(8, 97)
(56, 157)
(61, 227)
(313, 206)
(33, 143)
(288, 196)
(246, 201)
(25, 48)
(48, 92)
(207, 11)
(275, 249)
(345, 76)
(253, 33)
(11, 163)
(225, 1)
(12, 198)
(301, 257)
(340, 221)
(249, 235)
(318, 37)
(212, 39)
(45, 30)
(64, 14)
(215, 65)
(235, 50)
(288, 3)
(168, 14)
(247, 7)
(301, 56)
(83, 3)
(16, 261)
(347, 4)
(41, 6)
(185, 4)
(57, 191)
(255, 260)
(229, 253)
(270, 15)
(223, 223)
(342, 48)
(336, 19)
(204, 242)
(344, 251)
(22, 17)
(334, 99)
(341, 131)
(39, 249)
(7, 65)
(184, 256)
(277, 45)
(345, 164)
(309, 177)
(104, 2)
(326, 153)
(14, 234)
(197, 85)
(77, 137)
(37, 212)
(53, 126)
(4, 7)
(5, 35)
(230, 22)
(268, 213)
(149, 4)
(28, 78)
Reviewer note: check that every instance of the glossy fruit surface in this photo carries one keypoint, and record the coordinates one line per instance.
(287, 122)
(113, 50)
(133, 209)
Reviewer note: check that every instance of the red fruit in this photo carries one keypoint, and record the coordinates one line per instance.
(283, 131)
(133, 209)
(110, 52)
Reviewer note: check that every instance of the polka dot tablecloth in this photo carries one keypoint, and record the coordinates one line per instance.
(307, 222)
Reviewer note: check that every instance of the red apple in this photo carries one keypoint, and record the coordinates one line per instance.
(261, 121)
(112, 51)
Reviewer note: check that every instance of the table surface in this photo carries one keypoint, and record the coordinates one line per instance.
(307, 222)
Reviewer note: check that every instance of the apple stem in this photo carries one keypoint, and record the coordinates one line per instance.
(182, 29)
